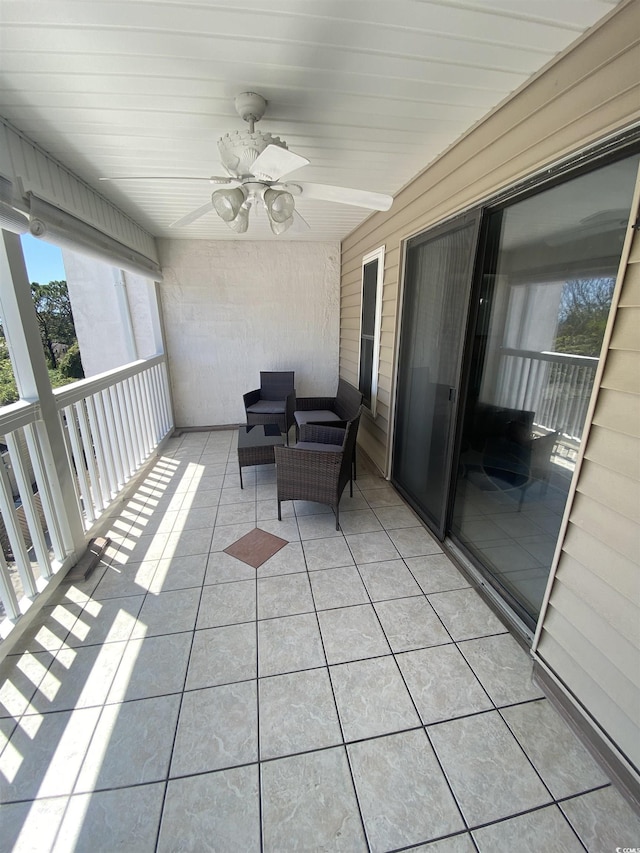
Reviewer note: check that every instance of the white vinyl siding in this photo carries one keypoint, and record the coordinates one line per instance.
(589, 638)
(589, 92)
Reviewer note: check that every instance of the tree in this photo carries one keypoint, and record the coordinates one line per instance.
(55, 318)
(583, 314)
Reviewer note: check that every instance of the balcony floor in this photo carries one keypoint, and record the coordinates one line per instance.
(352, 693)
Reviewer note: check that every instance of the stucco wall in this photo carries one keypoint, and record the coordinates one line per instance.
(231, 309)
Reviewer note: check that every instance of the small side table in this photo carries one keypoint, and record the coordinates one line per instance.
(255, 445)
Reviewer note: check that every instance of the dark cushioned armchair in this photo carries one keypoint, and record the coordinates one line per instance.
(274, 402)
(318, 467)
(336, 411)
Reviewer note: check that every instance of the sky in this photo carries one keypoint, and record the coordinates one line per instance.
(43, 260)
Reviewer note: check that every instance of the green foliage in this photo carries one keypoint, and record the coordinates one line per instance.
(584, 310)
(55, 318)
(8, 389)
(53, 309)
(70, 364)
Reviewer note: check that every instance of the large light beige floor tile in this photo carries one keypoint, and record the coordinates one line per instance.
(389, 579)
(465, 615)
(124, 819)
(411, 623)
(490, 776)
(152, 666)
(436, 573)
(132, 744)
(105, 621)
(31, 827)
(223, 568)
(297, 713)
(289, 643)
(372, 547)
(78, 678)
(308, 803)
(284, 595)
(45, 753)
(358, 521)
(503, 667)
(337, 588)
(442, 684)
(603, 819)
(167, 612)
(227, 604)
(352, 633)
(544, 829)
(179, 573)
(371, 698)
(402, 791)
(288, 560)
(565, 765)
(328, 553)
(222, 656)
(223, 806)
(218, 728)
(20, 676)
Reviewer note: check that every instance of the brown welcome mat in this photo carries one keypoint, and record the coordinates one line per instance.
(256, 547)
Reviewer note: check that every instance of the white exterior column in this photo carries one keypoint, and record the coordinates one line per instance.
(30, 371)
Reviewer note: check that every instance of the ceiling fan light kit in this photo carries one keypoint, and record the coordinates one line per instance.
(255, 162)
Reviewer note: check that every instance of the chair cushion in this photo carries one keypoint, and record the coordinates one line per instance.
(315, 416)
(267, 407)
(313, 445)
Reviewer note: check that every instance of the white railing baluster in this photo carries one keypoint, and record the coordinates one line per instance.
(45, 490)
(14, 534)
(115, 437)
(77, 458)
(89, 456)
(94, 432)
(105, 443)
(7, 592)
(32, 516)
(122, 414)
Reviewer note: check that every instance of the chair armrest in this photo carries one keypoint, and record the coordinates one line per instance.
(250, 398)
(322, 434)
(309, 404)
(289, 408)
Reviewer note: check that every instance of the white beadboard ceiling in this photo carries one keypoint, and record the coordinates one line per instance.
(370, 91)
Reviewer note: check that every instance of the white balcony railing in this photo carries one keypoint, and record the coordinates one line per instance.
(553, 385)
(112, 425)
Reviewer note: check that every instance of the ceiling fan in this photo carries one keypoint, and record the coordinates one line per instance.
(255, 163)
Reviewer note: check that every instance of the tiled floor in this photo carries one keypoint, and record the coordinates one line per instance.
(352, 693)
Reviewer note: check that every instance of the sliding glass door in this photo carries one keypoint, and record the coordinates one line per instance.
(541, 308)
(438, 273)
(488, 461)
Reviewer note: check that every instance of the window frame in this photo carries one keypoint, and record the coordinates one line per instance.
(377, 255)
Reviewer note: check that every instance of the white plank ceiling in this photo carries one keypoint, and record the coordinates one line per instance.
(370, 91)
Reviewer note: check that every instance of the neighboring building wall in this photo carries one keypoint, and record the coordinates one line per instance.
(590, 91)
(104, 330)
(232, 309)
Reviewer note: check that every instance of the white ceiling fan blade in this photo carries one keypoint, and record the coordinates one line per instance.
(300, 224)
(342, 195)
(213, 179)
(191, 217)
(274, 162)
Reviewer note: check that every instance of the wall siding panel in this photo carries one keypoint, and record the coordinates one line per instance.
(587, 95)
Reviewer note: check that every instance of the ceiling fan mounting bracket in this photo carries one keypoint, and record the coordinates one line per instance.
(250, 106)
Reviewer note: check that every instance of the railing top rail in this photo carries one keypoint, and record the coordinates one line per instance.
(557, 357)
(87, 387)
(17, 415)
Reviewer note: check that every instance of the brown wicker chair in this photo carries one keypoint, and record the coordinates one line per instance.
(333, 411)
(274, 402)
(319, 467)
